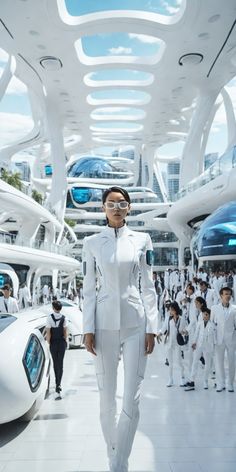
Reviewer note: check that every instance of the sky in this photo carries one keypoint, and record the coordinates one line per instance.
(15, 111)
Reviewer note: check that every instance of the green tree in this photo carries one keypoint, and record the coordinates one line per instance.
(12, 178)
(70, 223)
(37, 196)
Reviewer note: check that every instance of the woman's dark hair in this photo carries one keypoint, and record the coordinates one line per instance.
(175, 306)
(118, 190)
(201, 300)
(204, 309)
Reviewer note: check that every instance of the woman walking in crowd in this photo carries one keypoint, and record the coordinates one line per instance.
(172, 326)
(117, 267)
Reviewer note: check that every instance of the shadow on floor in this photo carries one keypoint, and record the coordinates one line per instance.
(10, 431)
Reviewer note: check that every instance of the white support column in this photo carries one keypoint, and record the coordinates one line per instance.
(137, 154)
(192, 150)
(57, 197)
(230, 118)
(7, 75)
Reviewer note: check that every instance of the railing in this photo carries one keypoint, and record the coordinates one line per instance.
(7, 238)
(222, 165)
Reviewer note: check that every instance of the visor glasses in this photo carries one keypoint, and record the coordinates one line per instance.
(123, 205)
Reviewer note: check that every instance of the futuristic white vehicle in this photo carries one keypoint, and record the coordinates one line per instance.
(24, 366)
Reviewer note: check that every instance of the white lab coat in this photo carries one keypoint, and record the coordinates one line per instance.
(12, 305)
(205, 343)
(172, 347)
(24, 297)
(225, 326)
(209, 296)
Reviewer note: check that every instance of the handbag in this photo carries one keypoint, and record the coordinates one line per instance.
(182, 340)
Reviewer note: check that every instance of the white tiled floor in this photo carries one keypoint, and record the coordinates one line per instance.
(178, 431)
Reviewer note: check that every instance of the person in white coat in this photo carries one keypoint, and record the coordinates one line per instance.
(223, 316)
(209, 294)
(119, 313)
(24, 296)
(172, 325)
(190, 312)
(203, 344)
(8, 304)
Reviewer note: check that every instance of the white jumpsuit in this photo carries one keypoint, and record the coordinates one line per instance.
(116, 262)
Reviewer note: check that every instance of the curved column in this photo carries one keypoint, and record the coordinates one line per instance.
(192, 150)
(7, 269)
(57, 198)
(230, 118)
(7, 75)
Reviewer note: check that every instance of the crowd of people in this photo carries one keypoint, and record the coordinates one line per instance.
(197, 322)
(43, 295)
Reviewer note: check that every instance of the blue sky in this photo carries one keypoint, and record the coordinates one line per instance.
(162, 7)
(15, 112)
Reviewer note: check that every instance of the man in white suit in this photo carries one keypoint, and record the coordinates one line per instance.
(207, 293)
(224, 317)
(8, 304)
(203, 344)
(24, 296)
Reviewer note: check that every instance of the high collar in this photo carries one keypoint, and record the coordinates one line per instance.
(116, 232)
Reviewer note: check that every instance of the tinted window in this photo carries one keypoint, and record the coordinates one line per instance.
(5, 321)
(83, 195)
(33, 361)
(48, 169)
(217, 235)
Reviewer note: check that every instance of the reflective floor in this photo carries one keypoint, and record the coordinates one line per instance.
(178, 431)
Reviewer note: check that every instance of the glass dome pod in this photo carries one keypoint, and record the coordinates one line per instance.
(95, 167)
(217, 235)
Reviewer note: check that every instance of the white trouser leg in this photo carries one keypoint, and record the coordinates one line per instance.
(196, 356)
(220, 370)
(231, 363)
(169, 355)
(208, 356)
(134, 368)
(108, 344)
(180, 360)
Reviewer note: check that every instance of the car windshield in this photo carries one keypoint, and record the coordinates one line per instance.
(5, 321)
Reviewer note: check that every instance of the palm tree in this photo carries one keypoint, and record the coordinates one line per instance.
(12, 178)
(37, 196)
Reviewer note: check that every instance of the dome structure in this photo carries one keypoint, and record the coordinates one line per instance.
(94, 167)
(217, 235)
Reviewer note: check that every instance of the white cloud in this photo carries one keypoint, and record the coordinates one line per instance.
(171, 9)
(15, 87)
(143, 38)
(14, 126)
(120, 50)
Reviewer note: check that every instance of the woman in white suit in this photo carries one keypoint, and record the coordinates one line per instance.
(174, 324)
(119, 312)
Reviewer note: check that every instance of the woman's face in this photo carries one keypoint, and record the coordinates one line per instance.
(173, 312)
(117, 214)
(198, 304)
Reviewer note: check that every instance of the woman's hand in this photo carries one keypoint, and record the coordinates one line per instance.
(149, 343)
(89, 341)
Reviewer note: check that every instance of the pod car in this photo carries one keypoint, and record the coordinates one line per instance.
(24, 366)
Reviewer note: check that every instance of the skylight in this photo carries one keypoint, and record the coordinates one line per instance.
(120, 74)
(168, 8)
(120, 44)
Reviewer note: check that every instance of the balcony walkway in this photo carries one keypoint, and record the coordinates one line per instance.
(178, 431)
